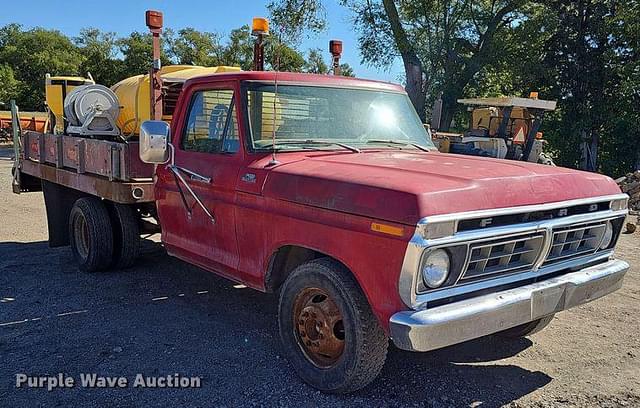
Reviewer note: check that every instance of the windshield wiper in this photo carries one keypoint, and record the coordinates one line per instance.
(398, 142)
(314, 142)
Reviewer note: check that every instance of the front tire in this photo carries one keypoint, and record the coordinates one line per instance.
(328, 331)
(90, 234)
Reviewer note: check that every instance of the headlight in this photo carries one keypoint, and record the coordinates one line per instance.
(608, 236)
(435, 268)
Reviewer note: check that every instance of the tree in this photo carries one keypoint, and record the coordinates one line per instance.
(239, 49)
(281, 57)
(194, 47)
(137, 50)
(315, 63)
(32, 54)
(9, 86)
(346, 70)
(99, 50)
(442, 44)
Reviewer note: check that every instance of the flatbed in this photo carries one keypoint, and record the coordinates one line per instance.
(110, 170)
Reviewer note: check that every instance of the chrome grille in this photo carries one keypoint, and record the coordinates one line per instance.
(574, 241)
(500, 256)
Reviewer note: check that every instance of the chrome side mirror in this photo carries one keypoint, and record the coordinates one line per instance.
(154, 141)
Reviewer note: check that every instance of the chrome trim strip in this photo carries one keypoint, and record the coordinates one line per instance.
(517, 210)
(468, 319)
(409, 274)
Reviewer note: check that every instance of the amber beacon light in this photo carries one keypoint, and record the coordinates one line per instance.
(260, 26)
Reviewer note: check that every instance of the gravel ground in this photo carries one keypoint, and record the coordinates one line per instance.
(165, 316)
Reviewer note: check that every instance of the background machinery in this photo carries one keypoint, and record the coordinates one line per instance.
(504, 128)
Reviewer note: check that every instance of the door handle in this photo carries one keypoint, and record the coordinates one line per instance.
(194, 176)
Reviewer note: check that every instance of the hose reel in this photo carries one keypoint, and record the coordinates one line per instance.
(92, 110)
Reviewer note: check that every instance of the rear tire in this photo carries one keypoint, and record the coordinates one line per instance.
(126, 235)
(338, 345)
(91, 234)
(526, 329)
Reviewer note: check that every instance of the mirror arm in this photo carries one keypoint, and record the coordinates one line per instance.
(179, 179)
(182, 196)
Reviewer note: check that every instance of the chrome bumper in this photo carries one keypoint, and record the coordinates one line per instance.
(442, 326)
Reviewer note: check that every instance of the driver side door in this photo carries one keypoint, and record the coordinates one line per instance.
(197, 209)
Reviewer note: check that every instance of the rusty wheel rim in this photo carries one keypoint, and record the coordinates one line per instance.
(319, 327)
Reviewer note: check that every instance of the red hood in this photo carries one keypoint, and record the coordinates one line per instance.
(406, 186)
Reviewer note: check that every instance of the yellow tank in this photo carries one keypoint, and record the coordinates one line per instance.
(133, 93)
(56, 89)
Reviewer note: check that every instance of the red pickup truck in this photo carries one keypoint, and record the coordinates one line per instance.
(329, 191)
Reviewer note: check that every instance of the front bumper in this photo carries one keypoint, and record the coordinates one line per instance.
(442, 326)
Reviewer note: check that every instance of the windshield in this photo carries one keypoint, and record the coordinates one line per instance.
(313, 117)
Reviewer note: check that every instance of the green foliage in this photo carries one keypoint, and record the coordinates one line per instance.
(99, 50)
(346, 70)
(294, 17)
(281, 57)
(9, 86)
(239, 49)
(33, 53)
(582, 54)
(315, 62)
(194, 47)
(27, 55)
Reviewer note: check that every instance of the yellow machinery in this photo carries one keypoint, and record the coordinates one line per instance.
(489, 119)
(505, 128)
(133, 94)
(56, 89)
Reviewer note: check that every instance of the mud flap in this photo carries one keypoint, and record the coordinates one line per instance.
(58, 201)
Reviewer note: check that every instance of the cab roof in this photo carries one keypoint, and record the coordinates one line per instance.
(297, 79)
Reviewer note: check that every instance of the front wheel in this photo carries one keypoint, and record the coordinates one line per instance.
(328, 331)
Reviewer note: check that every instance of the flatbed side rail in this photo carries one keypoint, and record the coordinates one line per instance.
(139, 191)
(102, 168)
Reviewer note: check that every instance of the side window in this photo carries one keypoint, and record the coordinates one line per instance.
(211, 123)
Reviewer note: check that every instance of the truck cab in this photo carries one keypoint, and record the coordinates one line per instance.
(330, 191)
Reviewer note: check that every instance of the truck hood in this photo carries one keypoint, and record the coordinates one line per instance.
(404, 187)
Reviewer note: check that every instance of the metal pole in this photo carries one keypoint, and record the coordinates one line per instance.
(15, 129)
(258, 53)
(154, 23)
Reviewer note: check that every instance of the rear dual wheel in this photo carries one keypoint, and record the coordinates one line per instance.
(103, 235)
(328, 331)
(91, 234)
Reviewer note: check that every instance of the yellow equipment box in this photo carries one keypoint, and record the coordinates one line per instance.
(56, 89)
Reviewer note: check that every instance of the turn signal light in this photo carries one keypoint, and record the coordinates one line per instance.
(387, 229)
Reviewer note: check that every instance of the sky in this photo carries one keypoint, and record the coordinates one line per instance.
(123, 17)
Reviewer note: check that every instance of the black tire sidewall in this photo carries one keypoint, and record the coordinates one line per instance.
(126, 235)
(100, 245)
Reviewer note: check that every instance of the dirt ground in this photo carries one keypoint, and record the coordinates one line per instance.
(165, 316)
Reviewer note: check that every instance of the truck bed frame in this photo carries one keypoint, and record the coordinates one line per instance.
(110, 170)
